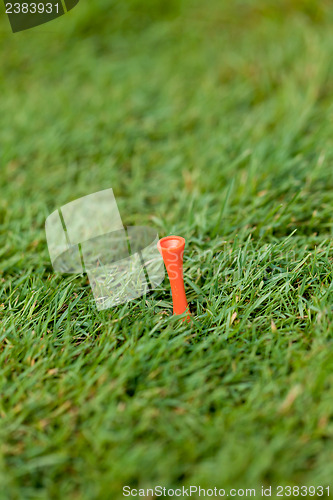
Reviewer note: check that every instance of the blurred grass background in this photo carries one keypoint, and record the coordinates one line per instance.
(209, 120)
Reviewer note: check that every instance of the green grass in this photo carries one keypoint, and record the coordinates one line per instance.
(213, 121)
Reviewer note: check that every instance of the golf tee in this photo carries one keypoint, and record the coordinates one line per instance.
(172, 250)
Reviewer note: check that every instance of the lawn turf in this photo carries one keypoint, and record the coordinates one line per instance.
(213, 121)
